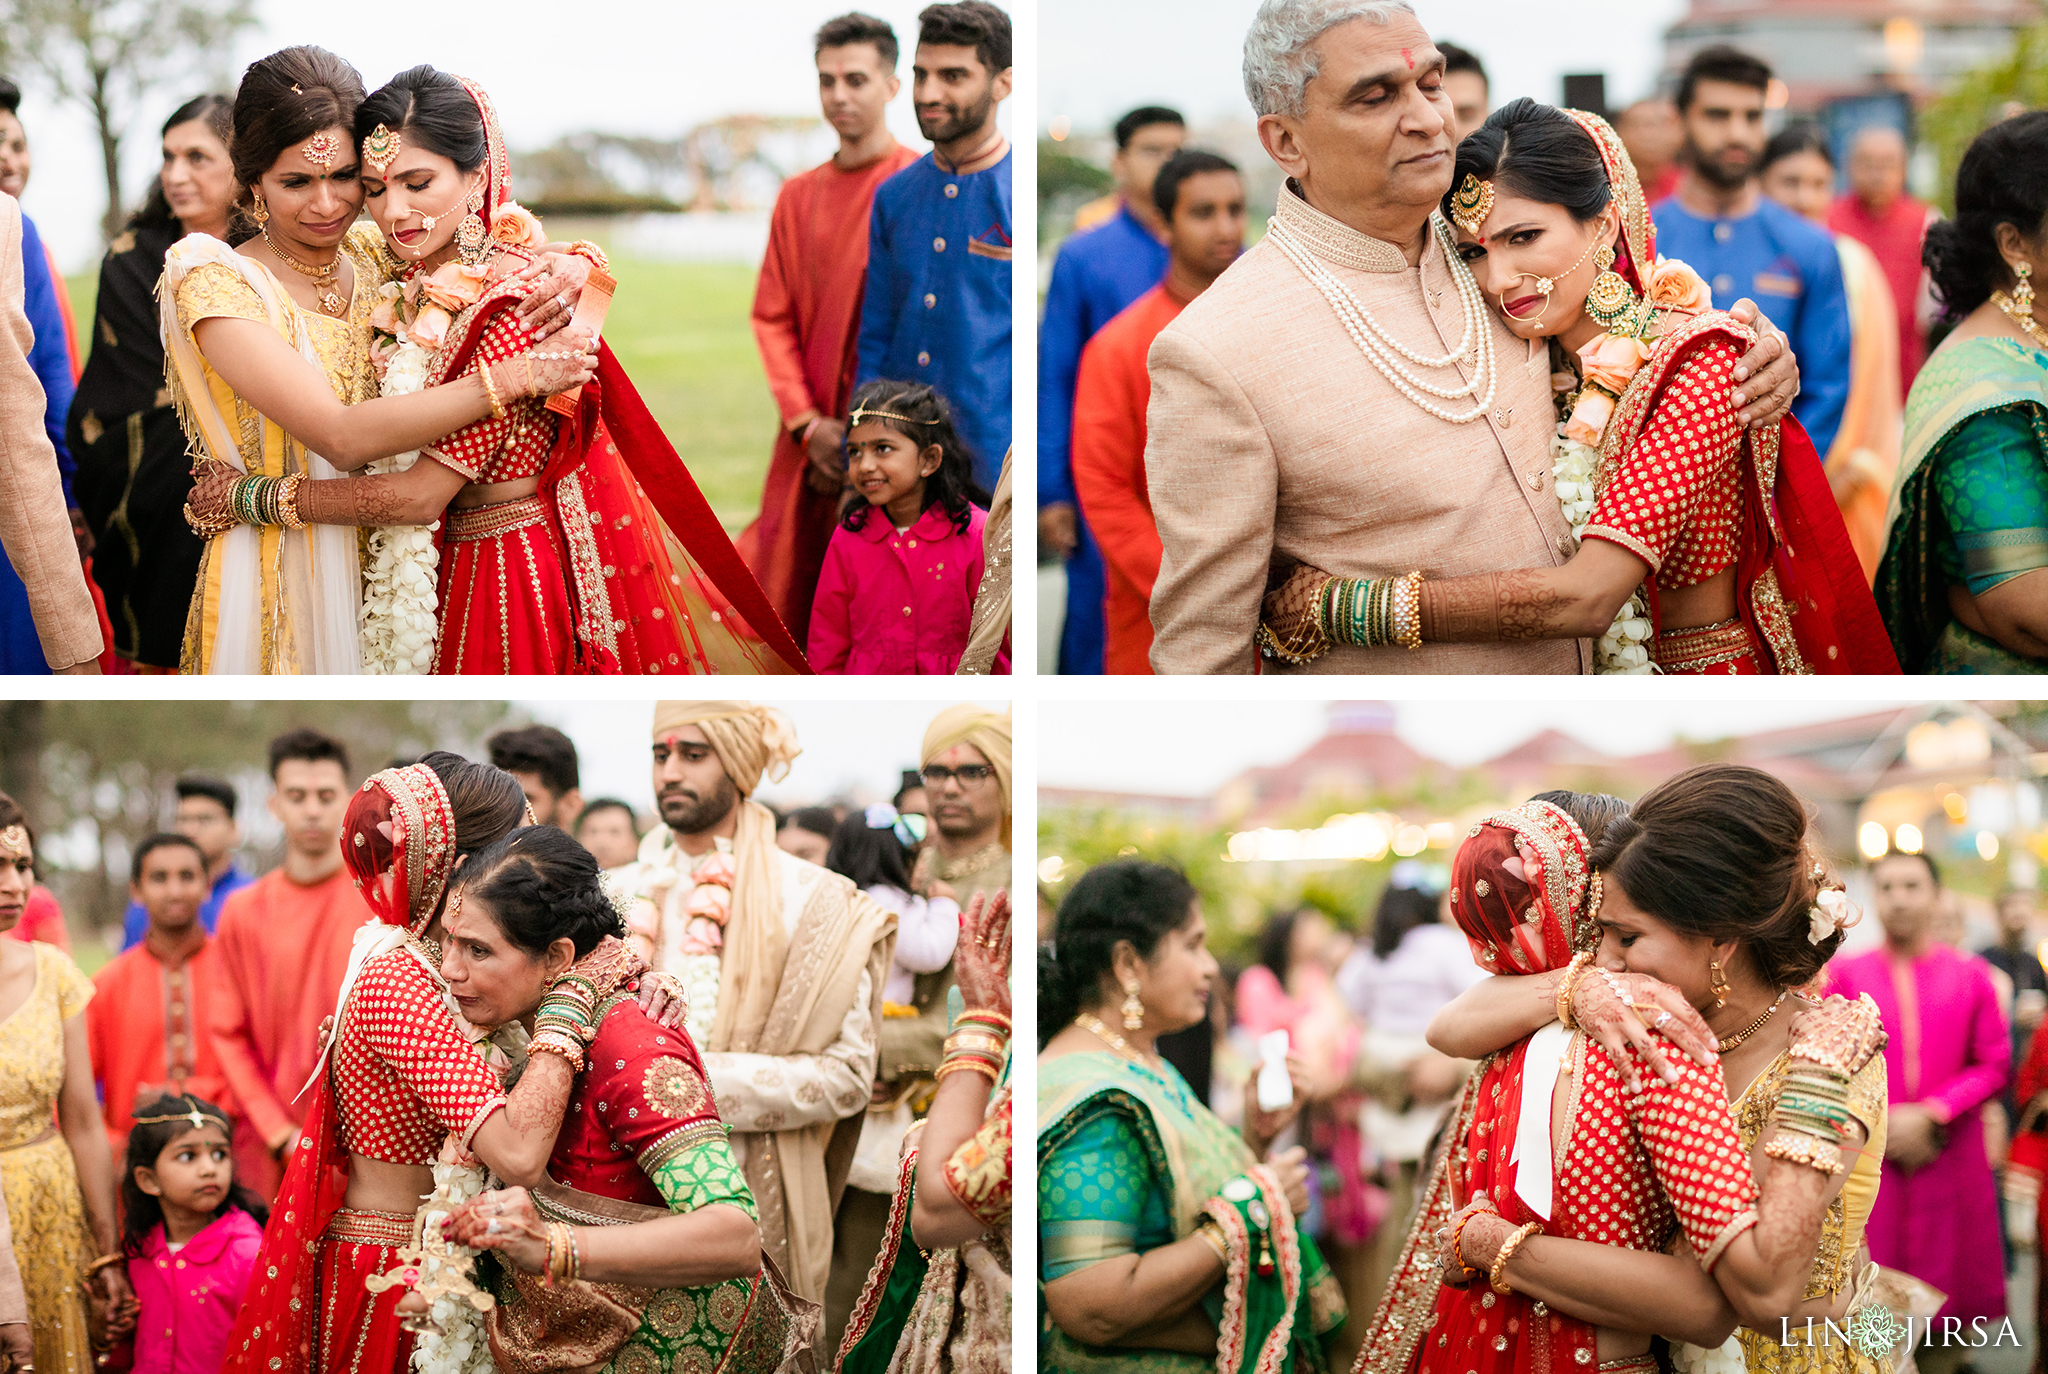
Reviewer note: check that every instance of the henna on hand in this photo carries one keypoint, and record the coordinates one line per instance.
(541, 1097)
(360, 501)
(1462, 610)
(1790, 1206)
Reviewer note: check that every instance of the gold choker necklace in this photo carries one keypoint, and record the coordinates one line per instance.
(1753, 1027)
(1109, 1037)
(950, 870)
(324, 278)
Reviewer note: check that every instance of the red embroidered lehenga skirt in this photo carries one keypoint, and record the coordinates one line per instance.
(505, 592)
(361, 1332)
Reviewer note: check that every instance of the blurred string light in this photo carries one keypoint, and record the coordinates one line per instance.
(1957, 807)
(1987, 845)
(1907, 839)
(1052, 869)
(1058, 127)
(1363, 836)
(1945, 744)
(1872, 839)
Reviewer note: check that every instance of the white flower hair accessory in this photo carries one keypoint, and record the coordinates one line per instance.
(1831, 911)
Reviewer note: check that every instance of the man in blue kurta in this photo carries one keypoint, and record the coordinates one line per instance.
(937, 306)
(1720, 224)
(50, 357)
(1098, 272)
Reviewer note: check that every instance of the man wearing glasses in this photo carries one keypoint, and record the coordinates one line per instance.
(966, 769)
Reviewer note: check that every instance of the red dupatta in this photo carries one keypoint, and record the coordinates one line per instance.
(398, 840)
(656, 581)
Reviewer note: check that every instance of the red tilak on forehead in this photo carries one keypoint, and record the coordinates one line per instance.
(1408, 57)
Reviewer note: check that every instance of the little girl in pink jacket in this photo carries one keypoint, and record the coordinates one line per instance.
(896, 594)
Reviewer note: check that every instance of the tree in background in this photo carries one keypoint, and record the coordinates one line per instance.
(108, 54)
(96, 776)
(1976, 100)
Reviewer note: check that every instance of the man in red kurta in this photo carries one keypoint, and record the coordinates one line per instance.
(807, 312)
(1201, 198)
(283, 944)
(1877, 213)
(148, 1027)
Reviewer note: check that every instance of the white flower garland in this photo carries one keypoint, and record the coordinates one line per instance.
(399, 597)
(1623, 649)
(650, 881)
(452, 1341)
(1726, 1358)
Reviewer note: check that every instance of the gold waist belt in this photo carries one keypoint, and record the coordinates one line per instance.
(352, 1226)
(491, 522)
(1691, 651)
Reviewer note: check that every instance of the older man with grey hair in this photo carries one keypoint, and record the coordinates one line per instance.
(1343, 396)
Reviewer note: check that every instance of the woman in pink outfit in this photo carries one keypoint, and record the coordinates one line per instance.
(897, 591)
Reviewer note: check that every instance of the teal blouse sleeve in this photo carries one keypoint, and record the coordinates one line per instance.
(1991, 479)
(1098, 1197)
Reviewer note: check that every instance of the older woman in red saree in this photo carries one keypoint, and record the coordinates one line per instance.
(551, 536)
(1704, 548)
(406, 1076)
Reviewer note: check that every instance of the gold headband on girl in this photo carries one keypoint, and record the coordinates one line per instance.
(864, 413)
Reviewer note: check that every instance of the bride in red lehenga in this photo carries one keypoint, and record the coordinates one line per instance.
(562, 537)
(405, 1074)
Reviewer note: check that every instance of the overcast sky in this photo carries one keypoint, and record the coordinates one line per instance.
(1191, 748)
(1101, 59)
(551, 69)
(855, 750)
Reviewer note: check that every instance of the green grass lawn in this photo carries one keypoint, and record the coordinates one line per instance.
(682, 331)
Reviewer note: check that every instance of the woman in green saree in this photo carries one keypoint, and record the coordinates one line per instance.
(1167, 1242)
(1959, 587)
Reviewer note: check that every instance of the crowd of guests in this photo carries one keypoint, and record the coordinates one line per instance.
(1382, 1025)
(883, 319)
(887, 355)
(1819, 231)
(154, 1114)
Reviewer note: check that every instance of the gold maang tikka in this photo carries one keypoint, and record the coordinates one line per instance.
(320, 150)
(1471, 204)
(15, 837)
(380, 149)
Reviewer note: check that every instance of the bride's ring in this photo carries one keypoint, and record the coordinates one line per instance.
(563, 301)
(495, 1228)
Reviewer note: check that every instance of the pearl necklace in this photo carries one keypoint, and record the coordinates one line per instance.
(1384, 351)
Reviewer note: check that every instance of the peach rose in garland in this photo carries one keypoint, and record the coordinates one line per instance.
(429, 329)
(514, 224)
(454, 285)
(1589, 417)
(1675, 286)
(1612, 360)
(384, 318)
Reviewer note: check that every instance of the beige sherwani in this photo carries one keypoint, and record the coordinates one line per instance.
(33, 525)
(1272, 440)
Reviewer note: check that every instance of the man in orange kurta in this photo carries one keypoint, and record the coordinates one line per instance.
(283, 944)
(148, 1027)
(807, 312)
(1201, 198)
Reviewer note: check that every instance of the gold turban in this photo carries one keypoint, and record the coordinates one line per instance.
(750, 741)
(988, 731)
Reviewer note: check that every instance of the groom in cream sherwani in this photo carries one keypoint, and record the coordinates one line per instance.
(1274, 439)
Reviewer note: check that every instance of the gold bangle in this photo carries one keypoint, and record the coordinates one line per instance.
(103, 1262)
(1507, 1249)
(1211, 1233)
(491, 392)
(966, 1066)
(288, 502)
(1408, 613)
(1572, 973)
(591, 253)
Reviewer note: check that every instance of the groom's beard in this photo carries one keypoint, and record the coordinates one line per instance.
(1722, 175)
(687, 813)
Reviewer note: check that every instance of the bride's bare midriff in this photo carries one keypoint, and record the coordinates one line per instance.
(1704, 603)
(377, 1185)
(493, 493)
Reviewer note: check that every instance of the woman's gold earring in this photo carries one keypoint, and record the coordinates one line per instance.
(1612, 302)
(1717, 983)
(2023, 293)
(258, 211)
(1133, 1008)
(470, 235)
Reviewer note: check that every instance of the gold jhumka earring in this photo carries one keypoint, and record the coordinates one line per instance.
(1133, 1008)
(470, 235)
(1612, 301)
(1717, 983)
(258, 211)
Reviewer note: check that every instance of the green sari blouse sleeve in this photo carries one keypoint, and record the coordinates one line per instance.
(1991, 480)
(1098, 1197)
(702, 1175)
